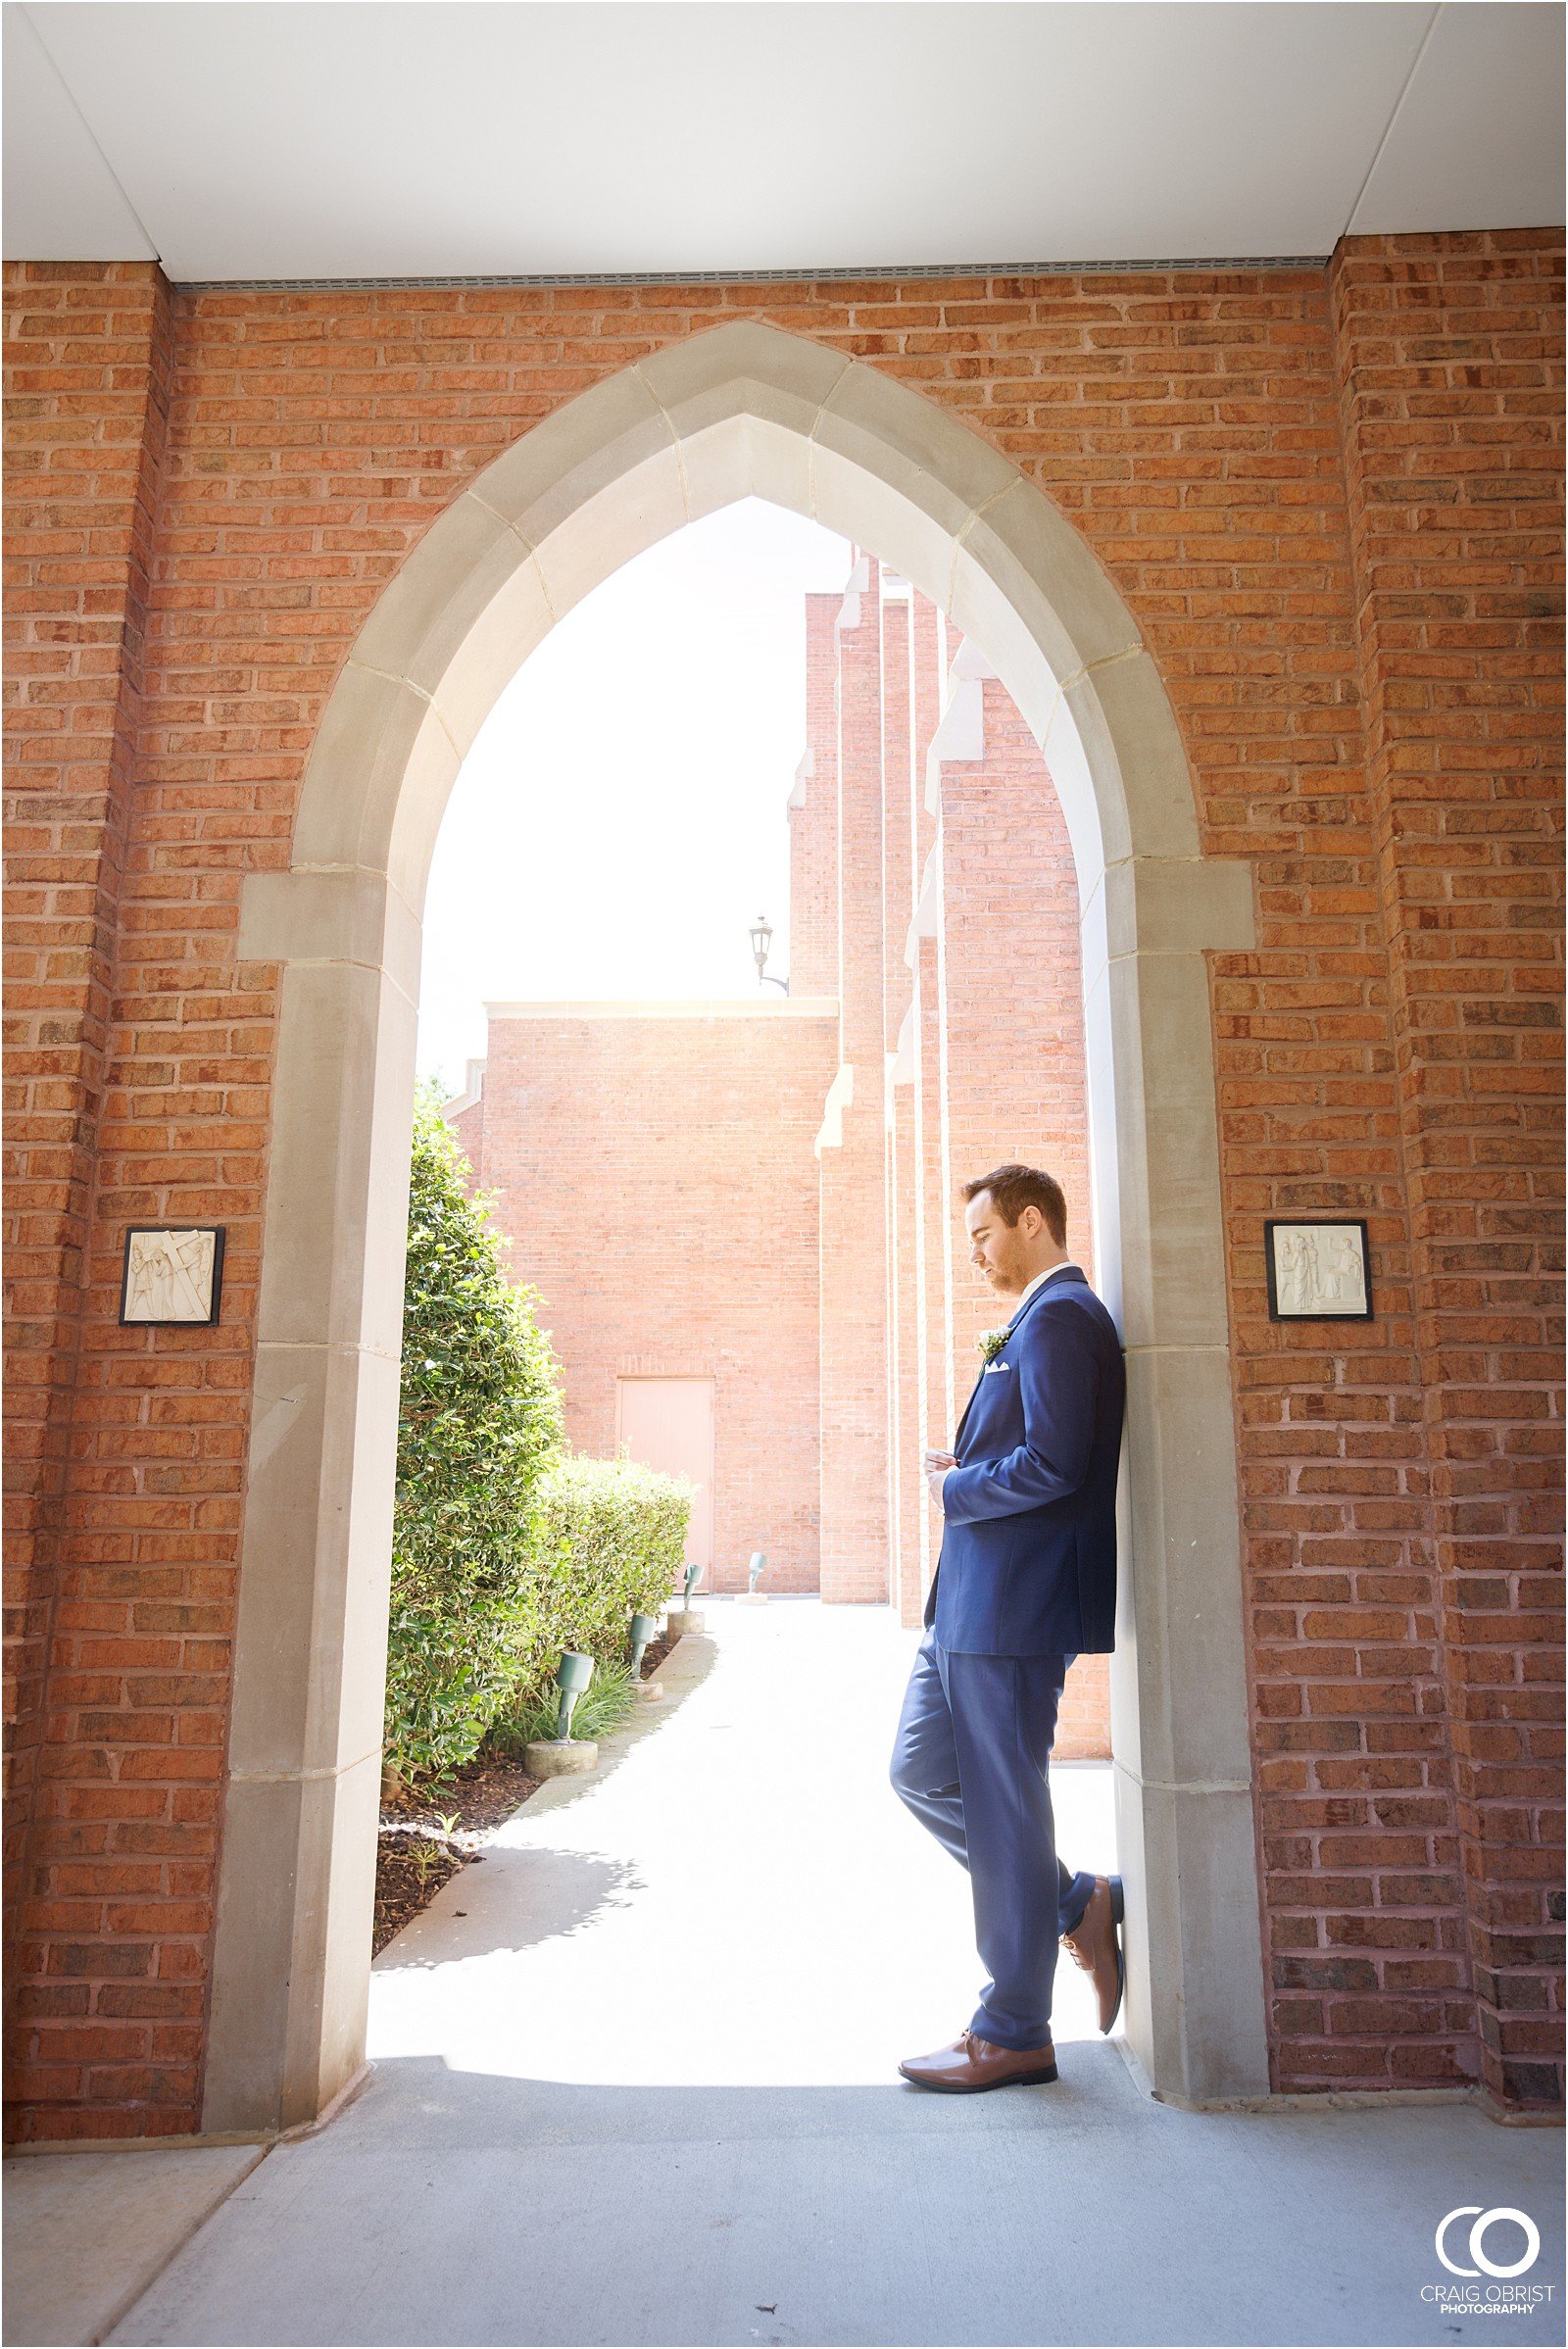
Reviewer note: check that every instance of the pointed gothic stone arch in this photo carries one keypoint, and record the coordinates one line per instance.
(743, 409)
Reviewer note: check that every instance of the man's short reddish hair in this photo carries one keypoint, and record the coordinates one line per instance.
(1014, 1187)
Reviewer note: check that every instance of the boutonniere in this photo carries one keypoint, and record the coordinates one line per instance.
(990, 1344)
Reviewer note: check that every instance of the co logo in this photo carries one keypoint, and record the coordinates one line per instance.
(1484, 2220)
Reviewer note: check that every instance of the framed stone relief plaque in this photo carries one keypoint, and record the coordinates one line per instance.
(1318, 1271)
(172, 1279)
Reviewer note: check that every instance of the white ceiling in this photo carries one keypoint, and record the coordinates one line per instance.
(292, 139)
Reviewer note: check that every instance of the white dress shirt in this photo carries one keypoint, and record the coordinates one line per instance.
(1050, 1271)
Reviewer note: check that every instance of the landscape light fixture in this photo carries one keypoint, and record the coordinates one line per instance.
(754, 1569)
(683, 1616)
(761, 940)
(572, 1674)
(564, 1755)
(643, 1628)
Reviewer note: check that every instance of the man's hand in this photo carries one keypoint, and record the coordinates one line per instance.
(936, 1464)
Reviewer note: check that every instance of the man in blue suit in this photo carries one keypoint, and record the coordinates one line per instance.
(1026, 1581)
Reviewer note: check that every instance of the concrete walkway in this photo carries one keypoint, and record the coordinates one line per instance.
(87, 2231)
(635, 2083)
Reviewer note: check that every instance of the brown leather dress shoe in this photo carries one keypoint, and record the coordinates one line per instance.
(971, 2064)
(1096, 1945)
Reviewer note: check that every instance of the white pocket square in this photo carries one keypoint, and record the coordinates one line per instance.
(991, 1368)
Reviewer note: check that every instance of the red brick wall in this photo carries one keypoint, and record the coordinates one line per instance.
(657, 1185)
(1016, 1085)
(1453, 437)
(1216, 438)
(907, 1496)
(114, 1715)
(854, 1351)
(1016, 1081)
(815, 824)
(930, 1232)
(1004, 1054)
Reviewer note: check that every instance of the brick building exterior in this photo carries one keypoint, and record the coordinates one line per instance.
(782, 1186)
(687, 1129)
(1330, 499)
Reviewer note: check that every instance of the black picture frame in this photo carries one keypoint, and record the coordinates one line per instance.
(220, 1233)
(1317, 1223)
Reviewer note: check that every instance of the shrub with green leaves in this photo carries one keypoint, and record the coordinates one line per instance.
(609, 1542)
(481, 1419)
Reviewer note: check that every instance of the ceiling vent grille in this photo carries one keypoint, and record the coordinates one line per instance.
(913, 271)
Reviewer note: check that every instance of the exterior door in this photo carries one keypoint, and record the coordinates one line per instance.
(668, 1424)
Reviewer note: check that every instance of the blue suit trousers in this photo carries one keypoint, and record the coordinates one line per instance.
(971, 1761)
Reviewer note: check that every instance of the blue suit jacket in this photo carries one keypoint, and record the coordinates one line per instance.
(1028, 1563)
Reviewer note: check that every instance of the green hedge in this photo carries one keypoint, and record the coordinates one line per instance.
(609, 1542)
(481, 1419)
(505, 1548)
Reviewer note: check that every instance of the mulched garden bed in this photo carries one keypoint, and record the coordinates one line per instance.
(409, 1874)
(426, 1837)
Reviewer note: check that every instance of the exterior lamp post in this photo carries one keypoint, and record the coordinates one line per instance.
(761, 940)
(561, 1756)
(750, 1595)
(572, 1674)
(643, 1629)
(685, 1617)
